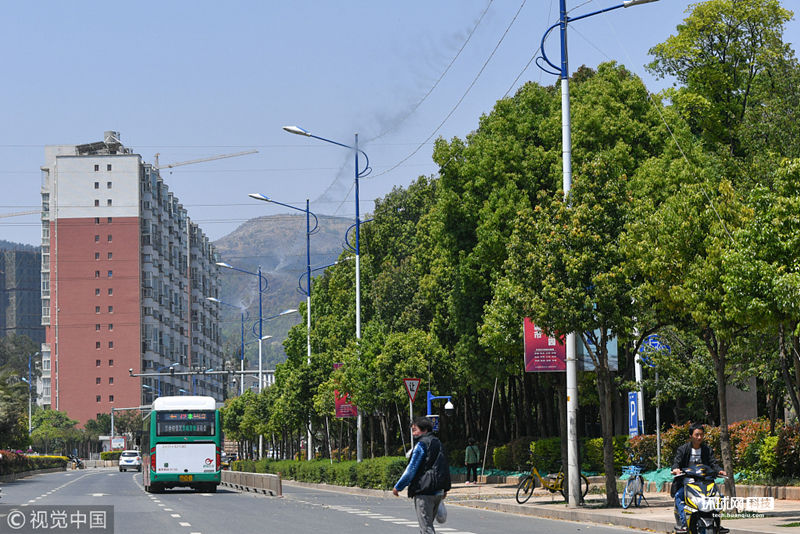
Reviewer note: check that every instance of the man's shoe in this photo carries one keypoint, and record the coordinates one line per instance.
(723, 530)
(681, 530)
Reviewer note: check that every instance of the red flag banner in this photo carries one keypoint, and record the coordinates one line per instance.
(543, 353)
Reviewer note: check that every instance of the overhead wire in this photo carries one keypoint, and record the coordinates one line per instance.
(460, 100)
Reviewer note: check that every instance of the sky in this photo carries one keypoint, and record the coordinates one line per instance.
(190, 80)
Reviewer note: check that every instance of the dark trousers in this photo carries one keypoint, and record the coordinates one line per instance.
(472, 472)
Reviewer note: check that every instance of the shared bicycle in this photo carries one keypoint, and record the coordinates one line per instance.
(554, 483)
(634, 488)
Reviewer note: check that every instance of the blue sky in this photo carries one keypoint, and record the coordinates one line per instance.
(195, 79)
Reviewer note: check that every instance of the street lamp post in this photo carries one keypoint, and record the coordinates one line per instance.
(241, 349)
(307, 291)
(262, 286)
(562, 71)
(358, 174)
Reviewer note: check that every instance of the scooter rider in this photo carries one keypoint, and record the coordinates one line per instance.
(693, 452)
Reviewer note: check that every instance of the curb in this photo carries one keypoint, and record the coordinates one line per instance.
(571, 515)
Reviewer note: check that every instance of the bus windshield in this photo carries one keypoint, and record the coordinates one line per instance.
(185, 423)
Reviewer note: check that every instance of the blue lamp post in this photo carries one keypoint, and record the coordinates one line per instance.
(241, 349)
(448, 405)
(262, 287)
(562, 71)
(358, 174)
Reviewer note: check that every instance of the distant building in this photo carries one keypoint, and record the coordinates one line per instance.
(20, 295)
(125, 274)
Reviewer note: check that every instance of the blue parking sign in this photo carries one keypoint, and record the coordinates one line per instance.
(633, 413)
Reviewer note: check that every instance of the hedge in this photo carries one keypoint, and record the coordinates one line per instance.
(14, 462)
(378, 473)
(110, 455)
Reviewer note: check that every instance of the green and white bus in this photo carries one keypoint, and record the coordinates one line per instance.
(181, 444)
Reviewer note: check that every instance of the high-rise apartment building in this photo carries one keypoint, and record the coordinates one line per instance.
(20, 297)
(125, 274)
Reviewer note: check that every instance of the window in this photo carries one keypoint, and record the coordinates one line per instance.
(108, 202)
(97, 398)
(111, 363)
(110, 344)
(97, 327)
(97, 255)
(97, 309)
(110, 379)
(97, 380)
(110, 397)
(96, 202)
(97, 184)
(97, 345)
(97, 292)
(111, 309)
(110, 326)
(109, 238)
(110, 273)
(97, 363)
(109, 255)
(97, 168)
(97, 220)
(96, 238)
(109, 220)
(110, 291)
(108, 167)
(108, 184)
(97, 274)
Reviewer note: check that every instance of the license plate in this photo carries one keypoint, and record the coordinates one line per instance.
(185, 478)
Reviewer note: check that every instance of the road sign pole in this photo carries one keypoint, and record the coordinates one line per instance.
(411, 421)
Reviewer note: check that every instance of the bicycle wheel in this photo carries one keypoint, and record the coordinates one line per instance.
(629, 493)
(584, 487)
(525, 489)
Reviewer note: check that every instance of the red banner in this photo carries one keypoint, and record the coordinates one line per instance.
(344, 408)
(543, 353)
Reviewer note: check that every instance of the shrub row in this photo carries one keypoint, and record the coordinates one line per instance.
(754, 450)
(378, 473)
(14, 462)
(110, 455)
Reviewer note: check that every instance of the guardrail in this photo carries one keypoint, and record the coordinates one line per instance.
(255, 482)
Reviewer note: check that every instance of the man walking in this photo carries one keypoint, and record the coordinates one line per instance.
(427, 474)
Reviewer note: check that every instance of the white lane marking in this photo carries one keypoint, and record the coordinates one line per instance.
(175, 515)
(168, 510)
(184, 524)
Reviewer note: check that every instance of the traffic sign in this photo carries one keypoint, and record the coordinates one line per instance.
(633, 413)
(412, 386)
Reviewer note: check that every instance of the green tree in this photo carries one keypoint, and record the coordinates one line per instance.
(53, 430)
(13, 411)
(719, 55)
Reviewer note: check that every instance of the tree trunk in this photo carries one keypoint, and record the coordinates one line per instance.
(790, 388)
(718, 350)
(604, 391)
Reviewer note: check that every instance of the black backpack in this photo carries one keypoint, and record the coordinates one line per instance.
(434, 473)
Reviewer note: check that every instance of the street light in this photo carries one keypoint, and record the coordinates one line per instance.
(241, 355)
(358, 174)
(30, 393)
(307, 291)
(566, 140)
(262, 287)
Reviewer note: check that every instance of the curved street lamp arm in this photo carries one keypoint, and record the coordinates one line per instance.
(302, 131)
(265, 198)
(347, 235)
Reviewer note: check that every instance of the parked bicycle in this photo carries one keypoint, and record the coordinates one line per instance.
(634, 489)
(554, 483)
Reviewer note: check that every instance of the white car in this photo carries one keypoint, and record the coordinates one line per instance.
(130, 460)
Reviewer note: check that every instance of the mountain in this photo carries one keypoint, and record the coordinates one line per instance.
(278, 244)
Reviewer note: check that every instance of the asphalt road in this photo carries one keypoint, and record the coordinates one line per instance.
(300, 510)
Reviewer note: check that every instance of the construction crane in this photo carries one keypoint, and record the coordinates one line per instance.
(200, 160)
(19, 213)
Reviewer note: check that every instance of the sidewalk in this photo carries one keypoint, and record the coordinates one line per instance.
(657, 516)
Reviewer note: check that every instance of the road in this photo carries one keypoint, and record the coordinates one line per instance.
(300, 510)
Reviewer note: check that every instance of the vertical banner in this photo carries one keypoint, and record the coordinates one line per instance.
(633, 413)
(543, 353)
(344, 408)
